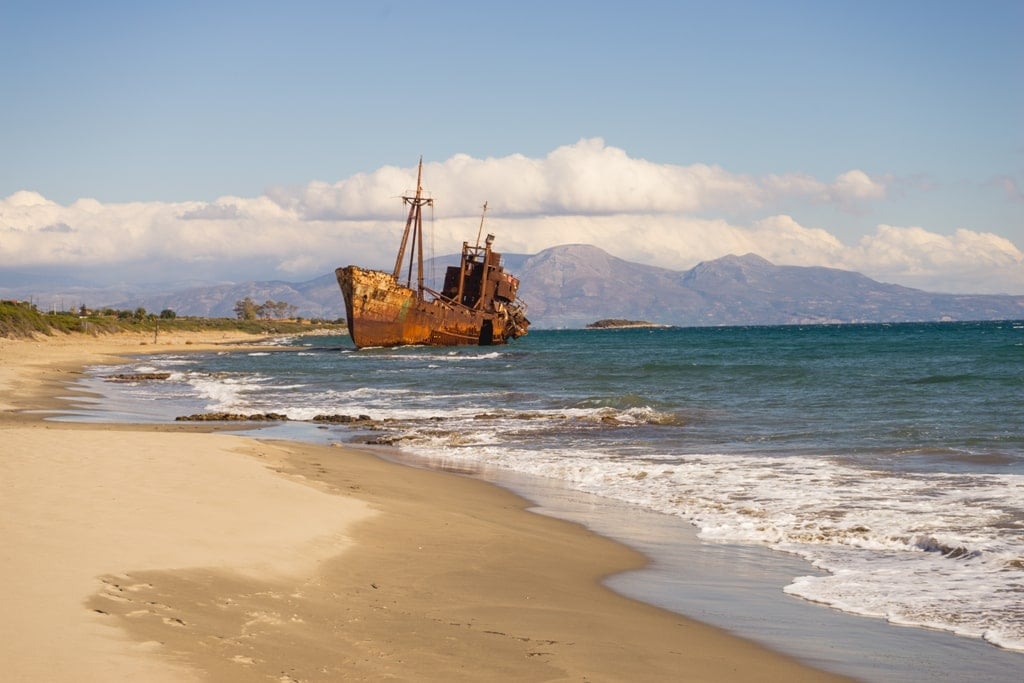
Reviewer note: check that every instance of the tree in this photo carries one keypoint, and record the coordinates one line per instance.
(266, 309)
(168, 314)
(283, 309)
(275, 309)
(246, 309)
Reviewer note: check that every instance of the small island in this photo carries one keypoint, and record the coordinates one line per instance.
(615, 323)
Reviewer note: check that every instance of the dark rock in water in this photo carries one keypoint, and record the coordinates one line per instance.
(342, 419)
(384, 440)
(363, 420)
(137, 377)
(232, 417)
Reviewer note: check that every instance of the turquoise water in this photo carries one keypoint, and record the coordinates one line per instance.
(890, 457)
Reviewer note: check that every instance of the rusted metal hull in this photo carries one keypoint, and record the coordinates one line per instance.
(382, 312)
(477, 304)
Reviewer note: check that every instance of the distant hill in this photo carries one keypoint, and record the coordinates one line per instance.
(319, 298)
(573, 285)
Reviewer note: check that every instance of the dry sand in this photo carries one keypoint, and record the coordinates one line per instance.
(170, 553)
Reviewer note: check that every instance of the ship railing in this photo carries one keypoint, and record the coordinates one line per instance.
(438, 296)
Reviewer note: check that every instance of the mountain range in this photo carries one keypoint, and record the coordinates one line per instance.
(570, 286)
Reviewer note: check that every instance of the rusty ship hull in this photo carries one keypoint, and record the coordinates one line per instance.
(477, 305)
(382, 312)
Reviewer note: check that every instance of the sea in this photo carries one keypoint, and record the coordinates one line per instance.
(873, 473)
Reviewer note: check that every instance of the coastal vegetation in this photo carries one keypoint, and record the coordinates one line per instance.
(20, 319)
(247, 309)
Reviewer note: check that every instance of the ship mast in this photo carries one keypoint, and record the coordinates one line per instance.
(480, 230)
(414, 225)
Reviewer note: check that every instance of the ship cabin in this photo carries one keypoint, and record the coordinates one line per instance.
(480, 278)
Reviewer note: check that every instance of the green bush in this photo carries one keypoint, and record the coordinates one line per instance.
(21, 319)
(18, 319)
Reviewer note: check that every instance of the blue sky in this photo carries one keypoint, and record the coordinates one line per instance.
(173, 104)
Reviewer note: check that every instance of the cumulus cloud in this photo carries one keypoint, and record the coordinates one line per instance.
(588, 178)
(964, 261)
(661, 214)
(857, 184)
(217, 211)
(26, 200)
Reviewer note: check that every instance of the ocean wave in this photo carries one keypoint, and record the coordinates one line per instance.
(887, 540)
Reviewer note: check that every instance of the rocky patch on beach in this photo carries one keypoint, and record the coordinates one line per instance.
(232, 417)
(385, 439)
(512, 416)
(342, 419)
(137, 376)
(270, 417)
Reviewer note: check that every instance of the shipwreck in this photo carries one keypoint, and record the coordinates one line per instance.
(477, 304)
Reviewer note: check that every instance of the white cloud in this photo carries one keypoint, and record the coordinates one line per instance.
(662, 214)
(856, 185)
(964, 261)
(587, 178)
(219, 210)
(27, 200)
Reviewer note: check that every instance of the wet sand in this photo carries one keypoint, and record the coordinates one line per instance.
(173, 553)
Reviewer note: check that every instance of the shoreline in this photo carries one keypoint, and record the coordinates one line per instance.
(417, 575)
(740, 589)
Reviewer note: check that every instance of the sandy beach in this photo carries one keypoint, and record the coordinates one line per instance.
(173, 553)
